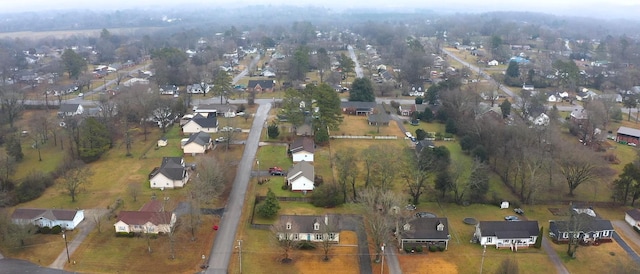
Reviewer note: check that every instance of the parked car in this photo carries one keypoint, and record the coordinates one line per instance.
(518, 211)
(227, 128)
(512, 218)
(425, 215)
(221, 139)
(411, 207)
(276, 171)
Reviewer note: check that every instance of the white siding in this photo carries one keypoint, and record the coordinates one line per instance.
(302, 156)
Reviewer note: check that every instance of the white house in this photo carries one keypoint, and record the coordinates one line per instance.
(66, 219)
(300, 177)
(198, 88)
(493, 63)
(198, 123)
(172, 173)
(511, 235)
(145, 222)
(541, 120)
(310, 228)
(632, 217)
(67, 110)
(198, 143)
(302, 149)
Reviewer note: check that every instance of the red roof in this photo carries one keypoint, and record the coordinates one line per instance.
(152, 206)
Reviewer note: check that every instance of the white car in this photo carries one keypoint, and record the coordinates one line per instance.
(408, 134)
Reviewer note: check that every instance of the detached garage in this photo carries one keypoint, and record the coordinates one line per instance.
(632, 217)
(628, 135)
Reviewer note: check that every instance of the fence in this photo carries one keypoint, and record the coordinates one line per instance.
(364, 137)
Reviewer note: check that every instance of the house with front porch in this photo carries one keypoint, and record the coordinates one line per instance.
(587, 228)
(357, 108)
(311, 228)
(66, 219)
(504, 234)
(424, 232)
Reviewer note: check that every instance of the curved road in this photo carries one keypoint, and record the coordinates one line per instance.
(224, 242)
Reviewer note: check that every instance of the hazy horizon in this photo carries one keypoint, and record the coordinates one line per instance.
(610, 9)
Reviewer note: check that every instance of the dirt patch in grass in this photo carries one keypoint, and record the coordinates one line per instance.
(426, 263)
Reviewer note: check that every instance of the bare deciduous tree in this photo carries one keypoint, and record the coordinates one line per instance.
(283, 232)
(75, 179)
(380, 209)
(134, 190)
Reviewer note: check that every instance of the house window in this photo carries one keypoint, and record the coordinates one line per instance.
(121, 228)
(596, 235)
(565, 235)
(288, 226)
(332, 236)
(295, 236)
(316, 226)
(605, 233)
(318, 237)
(489, 239)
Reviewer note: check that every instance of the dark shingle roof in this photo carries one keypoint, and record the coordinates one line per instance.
(634, 213)
(51, 214)
(200, 138)
(423, 144)
(304, 223)
(585, 223)
(381, 117)
(69, 108)
(425, 228)
(206, 122)
(171, 168)
(358, 105)
(303, 144)
(264, 84)
(522, 229)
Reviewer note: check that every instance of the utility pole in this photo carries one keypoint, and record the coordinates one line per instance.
(258, 163)
(382, 266)
(64, 236)
(239, 247)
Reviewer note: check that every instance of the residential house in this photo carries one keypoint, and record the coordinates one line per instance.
(554, 98)
(424, 232)
(357, 108)
(379, 118)
(145, 222)
(198, 88)
(632, 217)
(578, 116)
(172, 173)
(611, 97)
(587, 228)
(628, 135)
(225, 110)
(493, 63)
(405, 110)
(68, 110)
(586, 94)
(310, 228)
(528, 87)
(198, 143)
(66, 219)
(261, 85)
(302, 149)
(541, 120)
(169, 90)
(301, 177)
(199, 122)
(511, 235)
(422, 144)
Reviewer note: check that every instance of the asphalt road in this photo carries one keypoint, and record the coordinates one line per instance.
(358, 68)
(224, 243)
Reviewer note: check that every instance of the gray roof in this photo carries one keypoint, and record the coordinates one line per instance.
(634, 213)
(200, 138)
(505, 229)
(206, 122)
(304, 223)
(380, 117)
(301, 169)
(629, 131)
(585, 223)
(264, 84)
(171, 168)
(425, 228)
(303, 144)
(423, 144)
(51, 214)
(69, 108)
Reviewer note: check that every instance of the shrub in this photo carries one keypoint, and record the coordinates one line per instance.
(44, 230)
(56, 230)
(418, 249)
(327, 195)
(433, 248)
(440, 248)
(122, 234)
(407, 249)
(306, 245)
(269, 207)
(285, 187)
(33, 186)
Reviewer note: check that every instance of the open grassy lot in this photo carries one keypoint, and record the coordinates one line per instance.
(41, 249)
(605, 258)
(357, 125)
(102, 252)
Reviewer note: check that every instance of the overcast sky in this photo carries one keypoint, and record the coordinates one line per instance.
(599, 8)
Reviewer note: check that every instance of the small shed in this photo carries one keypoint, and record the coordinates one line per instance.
(504, 205)
(162, 142)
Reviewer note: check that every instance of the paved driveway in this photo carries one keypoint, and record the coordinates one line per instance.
(84, 228)
(224, 243)
(624, 228)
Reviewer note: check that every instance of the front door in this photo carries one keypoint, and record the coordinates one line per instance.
(308, 237)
